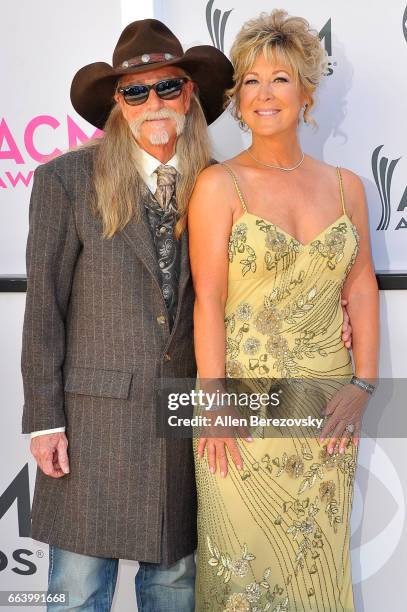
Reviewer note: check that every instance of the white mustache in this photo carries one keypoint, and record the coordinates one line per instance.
(163, 113)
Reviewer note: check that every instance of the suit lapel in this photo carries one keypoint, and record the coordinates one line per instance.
(138, 236)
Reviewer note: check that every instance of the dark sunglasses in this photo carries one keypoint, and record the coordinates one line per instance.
(168, 89)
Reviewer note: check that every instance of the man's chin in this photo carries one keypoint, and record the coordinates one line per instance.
(159, 138)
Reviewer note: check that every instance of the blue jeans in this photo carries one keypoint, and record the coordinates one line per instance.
(91, 581)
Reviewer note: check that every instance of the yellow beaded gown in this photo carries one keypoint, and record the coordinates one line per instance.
(275, 536)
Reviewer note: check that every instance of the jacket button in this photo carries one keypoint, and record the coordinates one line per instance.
(167, 357)
(161, 320)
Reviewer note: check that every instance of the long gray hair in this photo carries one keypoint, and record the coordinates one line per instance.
(119, 188)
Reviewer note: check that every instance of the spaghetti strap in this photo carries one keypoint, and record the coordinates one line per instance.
(341, 189)
(239, 192)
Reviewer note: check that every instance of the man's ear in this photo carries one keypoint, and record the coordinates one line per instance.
(119, 100)
(117, 96)
(121, 104)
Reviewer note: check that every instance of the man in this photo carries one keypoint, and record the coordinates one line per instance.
(108, 311)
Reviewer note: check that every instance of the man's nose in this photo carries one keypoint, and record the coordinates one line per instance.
(153, 101)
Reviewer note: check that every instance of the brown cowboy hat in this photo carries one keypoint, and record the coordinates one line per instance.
(145, 45)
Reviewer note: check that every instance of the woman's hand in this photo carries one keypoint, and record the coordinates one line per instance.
(217, 438)
(345, 408)
(216, 449)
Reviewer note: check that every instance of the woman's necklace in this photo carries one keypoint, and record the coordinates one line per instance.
(275, 166)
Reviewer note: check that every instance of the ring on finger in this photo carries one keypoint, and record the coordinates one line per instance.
(350, 428)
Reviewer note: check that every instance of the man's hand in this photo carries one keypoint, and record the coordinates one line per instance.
(50, 452)
(346, 327)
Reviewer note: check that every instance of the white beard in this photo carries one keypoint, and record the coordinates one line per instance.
(161, 138)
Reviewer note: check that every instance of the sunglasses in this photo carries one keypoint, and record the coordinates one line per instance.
(168, 89)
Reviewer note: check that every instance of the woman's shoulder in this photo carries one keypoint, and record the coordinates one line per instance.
(354, 191)
(214, 192)
(217, 169)
(215, 177)
(351, 180)
(352, 183)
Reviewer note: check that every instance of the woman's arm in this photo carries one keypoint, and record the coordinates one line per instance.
(360, 288)
(361, 291)
(210, 219)
(209, 224)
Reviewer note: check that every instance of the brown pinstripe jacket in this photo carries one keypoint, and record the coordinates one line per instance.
(94, 344)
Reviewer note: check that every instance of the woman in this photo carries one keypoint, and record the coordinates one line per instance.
(275, 238)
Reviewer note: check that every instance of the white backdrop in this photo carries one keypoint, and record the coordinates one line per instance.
(361, 105)
(360, 110)
(43, 44)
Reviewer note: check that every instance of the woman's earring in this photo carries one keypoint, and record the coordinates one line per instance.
(305, 108)
(242, 124)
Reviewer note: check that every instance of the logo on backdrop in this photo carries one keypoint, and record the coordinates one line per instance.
(383, 175)
(325, 36)
(11, 152)
(216, 23)
(18, 490)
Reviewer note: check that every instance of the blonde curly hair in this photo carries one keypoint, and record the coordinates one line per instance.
(284, 39)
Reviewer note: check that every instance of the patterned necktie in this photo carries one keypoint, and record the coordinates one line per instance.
(166, 177)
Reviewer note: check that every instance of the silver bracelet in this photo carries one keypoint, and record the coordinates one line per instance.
(359, 382)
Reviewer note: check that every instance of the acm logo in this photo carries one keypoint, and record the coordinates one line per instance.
(216, 24)
(383, 175)
(18, 490)
(383, 169)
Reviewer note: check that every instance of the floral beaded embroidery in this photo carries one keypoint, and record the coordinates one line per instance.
(244, 312)
(277, 243)
(256, 596)
(333, 246)
(268, 321)
(251, 346)
(354, 252)
(238, 244)
(234, 369)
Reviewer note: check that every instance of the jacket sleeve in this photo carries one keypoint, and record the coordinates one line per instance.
(52, 250)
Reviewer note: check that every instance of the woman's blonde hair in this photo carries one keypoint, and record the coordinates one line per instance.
(118, 187)
(283, 39)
